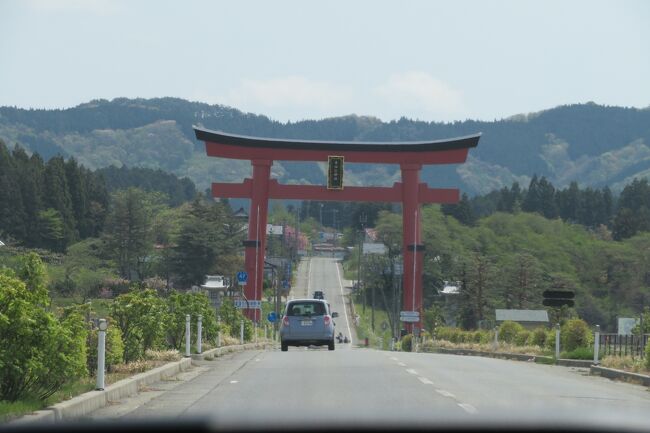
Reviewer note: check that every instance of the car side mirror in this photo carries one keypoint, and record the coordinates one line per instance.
(335, 314)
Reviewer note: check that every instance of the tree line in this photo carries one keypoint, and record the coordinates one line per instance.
(594, 208)
(54, 204)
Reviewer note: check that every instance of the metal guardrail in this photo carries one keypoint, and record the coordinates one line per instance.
(623, 345)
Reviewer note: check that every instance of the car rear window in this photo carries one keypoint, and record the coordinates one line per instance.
(306, 308)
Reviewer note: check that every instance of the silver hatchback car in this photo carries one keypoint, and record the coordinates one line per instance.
(307, 322)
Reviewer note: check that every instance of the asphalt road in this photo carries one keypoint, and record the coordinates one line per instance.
(307, 386)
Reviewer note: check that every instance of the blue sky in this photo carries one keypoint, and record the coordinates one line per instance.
(293, 60)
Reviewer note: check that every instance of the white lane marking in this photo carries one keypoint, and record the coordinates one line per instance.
(345, 310)
(445, 393)
(234, 381)
(424, 380)
(411, 371)
(393, 358)
(257, 360)
(468, 408)
(401, 364)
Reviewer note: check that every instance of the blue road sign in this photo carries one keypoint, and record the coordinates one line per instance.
(242, 278)
(285, 284)
(272, 317)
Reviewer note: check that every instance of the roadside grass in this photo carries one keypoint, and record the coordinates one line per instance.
(626, 363)
(364, 330)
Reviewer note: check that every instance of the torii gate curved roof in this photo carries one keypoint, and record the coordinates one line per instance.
(448, 151)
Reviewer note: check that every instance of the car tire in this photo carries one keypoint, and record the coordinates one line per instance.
(284, 346)
(330, 345)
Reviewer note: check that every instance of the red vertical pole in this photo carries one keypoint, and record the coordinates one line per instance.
(256, 243)
(412, 243)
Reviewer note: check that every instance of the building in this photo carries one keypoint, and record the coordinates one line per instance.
(529, 319)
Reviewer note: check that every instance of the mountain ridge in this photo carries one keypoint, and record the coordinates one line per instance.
(592, 144)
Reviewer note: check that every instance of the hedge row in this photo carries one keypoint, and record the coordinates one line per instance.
(574, 334)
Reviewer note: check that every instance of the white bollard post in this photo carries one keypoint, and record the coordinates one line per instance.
(219, 332)
(392, 344)
(496, 338)
(188, 327)
(241, 332)
(101, 354)
(199, 331)
(596, 344)
(557, 342)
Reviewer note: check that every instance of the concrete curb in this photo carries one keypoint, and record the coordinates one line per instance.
(518, 357)
(626, 376)
(594, 370)
(85, 403)
(220, 351)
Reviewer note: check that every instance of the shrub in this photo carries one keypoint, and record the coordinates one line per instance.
(509, 330)
(407, 343)
(38, 353)
(647, 357)
(579, 353)
(192, 303)
(537, 337)
(550, 339)
(231, 317)
(522, 337)
(141, 316)
(575, 333)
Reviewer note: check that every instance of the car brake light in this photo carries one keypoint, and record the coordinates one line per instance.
(327, 319)
(285, 321)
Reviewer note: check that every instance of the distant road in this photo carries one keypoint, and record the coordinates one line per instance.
(353, 385)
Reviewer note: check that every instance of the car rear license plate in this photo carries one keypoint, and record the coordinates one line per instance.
(306, 323)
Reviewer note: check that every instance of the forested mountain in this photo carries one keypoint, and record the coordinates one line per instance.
(591, 144)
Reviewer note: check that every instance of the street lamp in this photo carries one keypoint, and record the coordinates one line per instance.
(362, 221)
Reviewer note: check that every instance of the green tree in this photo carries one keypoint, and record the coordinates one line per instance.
(129, 230)
(192, 303)
(39, 353)
(141, 316)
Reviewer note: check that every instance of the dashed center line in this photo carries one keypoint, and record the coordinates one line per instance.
(234, 381)
(468, 408)
(394, 359)
(424, 380)
(401, 364)
(445, 393)
(411, 371)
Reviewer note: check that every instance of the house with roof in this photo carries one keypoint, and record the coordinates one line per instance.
(529, 319)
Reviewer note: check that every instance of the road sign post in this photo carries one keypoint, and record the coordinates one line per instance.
(242, 278)
(409, 316)
(557, 342)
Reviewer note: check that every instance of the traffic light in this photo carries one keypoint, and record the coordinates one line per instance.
(558, 298)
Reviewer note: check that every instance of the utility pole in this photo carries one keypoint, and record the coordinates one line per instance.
(362, 221)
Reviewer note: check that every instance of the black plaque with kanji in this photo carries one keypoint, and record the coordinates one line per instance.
(335, 172)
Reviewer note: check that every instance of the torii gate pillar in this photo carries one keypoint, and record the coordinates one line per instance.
(412, 248)
(255, 245)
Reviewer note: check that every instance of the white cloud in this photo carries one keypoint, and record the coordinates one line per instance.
(412, 94)
(98, 7)
(286, 97)
(419, 94)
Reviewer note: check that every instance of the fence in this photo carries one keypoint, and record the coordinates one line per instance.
(623, 345)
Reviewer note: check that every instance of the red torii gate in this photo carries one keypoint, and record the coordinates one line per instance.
(410, 192)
